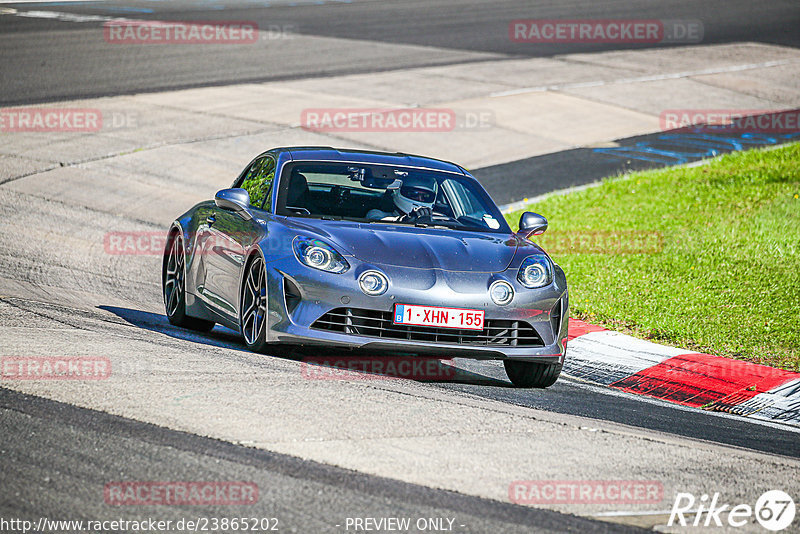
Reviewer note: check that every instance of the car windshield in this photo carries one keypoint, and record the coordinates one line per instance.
(388, 195)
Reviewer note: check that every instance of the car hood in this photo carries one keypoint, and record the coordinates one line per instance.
(422, 248)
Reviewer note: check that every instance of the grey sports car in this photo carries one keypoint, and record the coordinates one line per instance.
(387, 253)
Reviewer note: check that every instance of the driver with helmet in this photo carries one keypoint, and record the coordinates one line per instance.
(412, 201)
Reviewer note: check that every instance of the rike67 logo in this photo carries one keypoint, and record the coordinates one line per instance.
(774, 510)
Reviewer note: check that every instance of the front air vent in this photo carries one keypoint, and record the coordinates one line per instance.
(378, 324)
(291, 293)
(555, 318)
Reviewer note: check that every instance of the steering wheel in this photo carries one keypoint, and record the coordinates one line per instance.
(417, 214)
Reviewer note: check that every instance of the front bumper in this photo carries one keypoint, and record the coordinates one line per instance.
(299, 297)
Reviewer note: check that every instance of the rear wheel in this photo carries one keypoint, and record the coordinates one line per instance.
(175, 289)
(253, 307)
(532, 374)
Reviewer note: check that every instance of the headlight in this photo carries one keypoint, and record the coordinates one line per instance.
(535, 272)
(319, 255)
(501, 292)
(373, 283)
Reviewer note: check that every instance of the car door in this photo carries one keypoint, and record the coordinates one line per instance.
(229, 237)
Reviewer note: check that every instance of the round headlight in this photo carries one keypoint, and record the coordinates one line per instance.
(535, 272)
(501, 292)
(373, 283)
(534, 275)
(318, 257)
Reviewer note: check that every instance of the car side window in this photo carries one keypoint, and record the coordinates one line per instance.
(463, 200)
(465, 203)
(258, 182)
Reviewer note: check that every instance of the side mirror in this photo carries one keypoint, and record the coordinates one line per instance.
(236, 200)
(531, 224)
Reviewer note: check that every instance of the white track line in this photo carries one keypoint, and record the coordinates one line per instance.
(46, 1)
(650, 78)
(64, 17)
(623, 513)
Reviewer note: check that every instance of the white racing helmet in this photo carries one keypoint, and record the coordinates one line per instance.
(416, 192)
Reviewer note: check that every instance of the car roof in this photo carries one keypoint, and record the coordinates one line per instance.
(325, 153)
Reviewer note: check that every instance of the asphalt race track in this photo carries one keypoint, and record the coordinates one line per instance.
(184, 406)
(66, 62)
(511, 182)
(300, 492)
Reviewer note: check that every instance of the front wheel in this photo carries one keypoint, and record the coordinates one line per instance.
(253, 314)
(175, 289)
(532, 374)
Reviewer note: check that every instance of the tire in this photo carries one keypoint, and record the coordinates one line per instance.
(532, 374)
(174, 288)
(253, 305)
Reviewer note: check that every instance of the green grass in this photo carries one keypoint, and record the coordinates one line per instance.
(715, 266)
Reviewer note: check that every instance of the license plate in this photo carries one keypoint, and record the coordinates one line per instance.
(436, 316)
